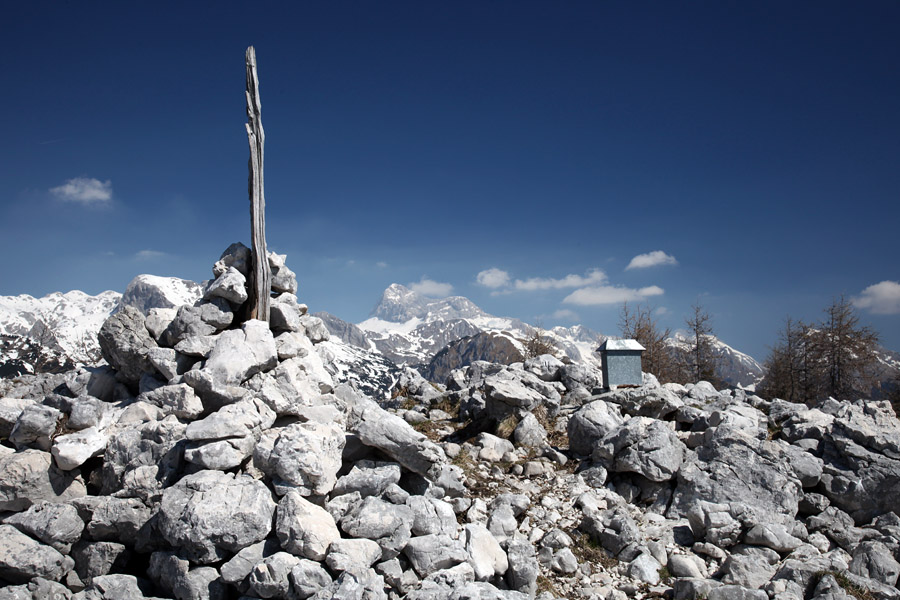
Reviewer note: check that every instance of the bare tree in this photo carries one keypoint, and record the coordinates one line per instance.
(702, 361)
(638, 323)
(790, 364)
(538, 343)
(833, 358)
(847, 351)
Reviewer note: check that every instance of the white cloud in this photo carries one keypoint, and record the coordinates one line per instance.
(607, 294)
(85, 190)
(429, 287)
(149, 255)
(565, 314)
(381, 264)
(880, 299)
(651, 259)
(594, 276)
(493, 278)
(662, 310)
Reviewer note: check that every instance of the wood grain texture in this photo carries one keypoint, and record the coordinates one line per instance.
(261, 274)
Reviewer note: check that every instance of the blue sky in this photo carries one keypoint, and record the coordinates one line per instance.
(519, 153)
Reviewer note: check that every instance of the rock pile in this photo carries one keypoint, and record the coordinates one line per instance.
(218, 459)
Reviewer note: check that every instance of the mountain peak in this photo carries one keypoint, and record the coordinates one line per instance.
(399, 304)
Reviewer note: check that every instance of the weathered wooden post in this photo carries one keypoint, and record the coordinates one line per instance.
(261, 275)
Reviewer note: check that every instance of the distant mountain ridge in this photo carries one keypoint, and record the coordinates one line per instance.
(405, 329)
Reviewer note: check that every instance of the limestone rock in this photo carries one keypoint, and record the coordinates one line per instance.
(22, 558)
(210, 513)
(29, 476)
(124, 343)
(304, 455)
(304, 528)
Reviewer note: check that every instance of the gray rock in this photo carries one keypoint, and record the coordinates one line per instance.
(240, 353)
(733, 467)
(22, 558)
(35, 427)
(124, 343)
(644, 568)
(862, 452)
(230, 285)
(529, 432)
(71, 450)
(485, 554)
(502, 521)
(304, 455)
(644, 446)
(388, 524)
(546, 366)
(304, 528)
(874, 560)
(283, 279)
(693, 588)
(236, 255)
(94, 559)
(175, 576)
(683, 565)
(179, 400)
(590, 424)
(772, 535)
(86, 411)
(285, 314)
(57, 525)
(431, 516)
(10, 409)
(113, 519)
(314, 328)
(308, 578)
(523, 569)
(197, 346)
(564, 561)
(271, 577)
(239, 566)
(36, 589)
(220, 455)
(736, 592)
(355, 556)
(140, 461)
(29, 476)
(717, 523)
(430, 553)
(368, 478)
(210, 513)
(392, 435)
(241, 419)
(507, 396)
(575, 376)
(750, 567)
(492, 447)
(614, 530)
(189, 322)
(645, 401)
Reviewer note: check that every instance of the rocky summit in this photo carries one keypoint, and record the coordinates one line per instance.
(220, 459)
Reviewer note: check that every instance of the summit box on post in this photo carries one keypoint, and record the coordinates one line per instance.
(621, 362)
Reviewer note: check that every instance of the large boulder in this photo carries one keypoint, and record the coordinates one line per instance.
(30, 476)
(590, 424)
(210, 514)
(644, 446)
(124, 343)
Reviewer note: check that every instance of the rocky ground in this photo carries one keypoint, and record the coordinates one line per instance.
(215, 460)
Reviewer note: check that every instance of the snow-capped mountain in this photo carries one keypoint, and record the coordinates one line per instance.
(59, 331)
(732, 366)
(411, 330)
(53, 332)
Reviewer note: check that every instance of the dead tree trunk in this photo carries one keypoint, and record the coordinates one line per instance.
(261, 274)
